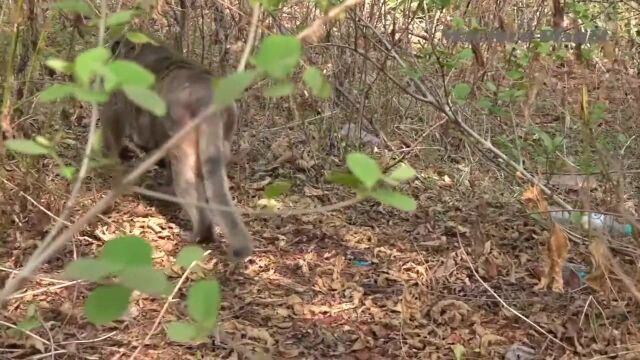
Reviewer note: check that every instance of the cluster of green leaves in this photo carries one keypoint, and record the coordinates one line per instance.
(276, 59)
(95, 77)
(125, 265)
(365, 177)
(368, 180)
(126, 259)
(93, 65)
(547, 153)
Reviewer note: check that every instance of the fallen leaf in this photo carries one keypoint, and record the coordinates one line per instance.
(557, 250)
(450, 312)
(597, 279)
(534, 195)
(490, 268)
(489, 339)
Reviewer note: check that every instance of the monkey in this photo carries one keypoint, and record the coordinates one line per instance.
(197, 164)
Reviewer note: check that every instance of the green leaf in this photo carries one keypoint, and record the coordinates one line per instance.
(126, 252)
(402, 173)
(139, 38)
(28, 324)
(464, 54)
(461, 91)
(230, 88)
(120, 17)
(457, 23)
(394, 199)
(279, 90)
(67, 172)
(490, 86)
(203, 302)
(106, 304)
(147, 99)
(189, 254)
(88, 95)
(59, 65)
(278, 55)
(342, 178)
(181, 331)
(145, 279)
(484, 103)
(88, 269)
(364, 168)
(545, 138)
(25, 146)
(88, 62)
(73, 6)
(276, 189)
(30, 320)
(514, 75)
(316, 82)
(130, 73)
(56, 92)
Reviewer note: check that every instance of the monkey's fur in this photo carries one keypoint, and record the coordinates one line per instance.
(198, 162)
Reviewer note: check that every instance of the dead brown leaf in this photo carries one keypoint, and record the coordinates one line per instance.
(534, 195)
(450, 312)
(489, 339)
(557, 250)
(597, 279)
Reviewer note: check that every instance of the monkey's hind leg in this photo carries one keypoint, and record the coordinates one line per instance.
(188, 188)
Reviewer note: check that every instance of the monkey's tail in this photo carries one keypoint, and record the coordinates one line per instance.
(216, 184)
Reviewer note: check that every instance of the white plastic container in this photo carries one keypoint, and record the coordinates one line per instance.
(592, 220)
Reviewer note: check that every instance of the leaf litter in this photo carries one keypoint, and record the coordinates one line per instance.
(364, 282)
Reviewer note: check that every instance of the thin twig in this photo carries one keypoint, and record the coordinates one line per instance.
(22, 193)
(414, 145)
(26, 332)
(251, 38)
(316, 29)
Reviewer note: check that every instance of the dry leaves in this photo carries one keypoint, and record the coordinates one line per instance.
(557, 250)
(533, 195)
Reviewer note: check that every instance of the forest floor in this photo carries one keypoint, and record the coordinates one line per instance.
(362, 282)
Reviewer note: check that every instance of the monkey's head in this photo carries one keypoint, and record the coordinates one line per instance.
(123, 47)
